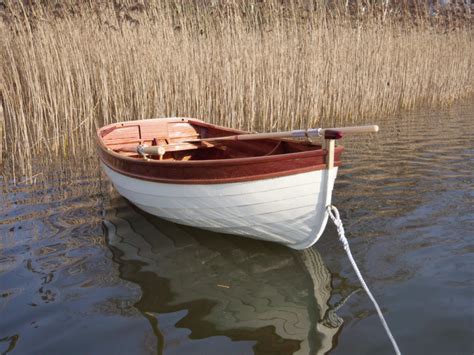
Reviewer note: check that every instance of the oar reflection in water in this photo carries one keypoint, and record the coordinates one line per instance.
(269, 296)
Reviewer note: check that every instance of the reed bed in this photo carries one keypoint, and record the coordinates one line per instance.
(65, 73)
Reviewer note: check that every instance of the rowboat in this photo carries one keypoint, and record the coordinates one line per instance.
(271, 186)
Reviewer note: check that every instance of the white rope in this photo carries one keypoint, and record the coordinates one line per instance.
(334, 214)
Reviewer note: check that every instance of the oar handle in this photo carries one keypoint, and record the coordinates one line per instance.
(352, 130)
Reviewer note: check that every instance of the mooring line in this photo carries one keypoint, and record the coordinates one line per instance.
(336, 218)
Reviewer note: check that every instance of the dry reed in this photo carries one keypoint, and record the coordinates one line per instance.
(278, 67)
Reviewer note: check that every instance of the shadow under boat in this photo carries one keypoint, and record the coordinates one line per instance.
(240, 288)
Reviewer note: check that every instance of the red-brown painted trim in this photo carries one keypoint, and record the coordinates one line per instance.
(214, 171)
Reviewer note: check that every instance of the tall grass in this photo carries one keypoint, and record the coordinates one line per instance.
(256, 66)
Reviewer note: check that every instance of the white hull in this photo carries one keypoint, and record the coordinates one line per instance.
(290, 210)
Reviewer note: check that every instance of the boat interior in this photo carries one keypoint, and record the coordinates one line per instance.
(177, 136)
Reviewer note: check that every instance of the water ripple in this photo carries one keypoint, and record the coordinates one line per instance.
(406, 198)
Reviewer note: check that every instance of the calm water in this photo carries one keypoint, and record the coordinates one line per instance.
(82, 271)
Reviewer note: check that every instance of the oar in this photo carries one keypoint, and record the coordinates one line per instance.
(328, 133)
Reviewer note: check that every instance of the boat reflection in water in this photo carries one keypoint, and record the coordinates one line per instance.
(260, 295)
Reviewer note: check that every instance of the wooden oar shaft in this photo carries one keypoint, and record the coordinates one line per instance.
(162, 149)
(252, 136)
(302, 133)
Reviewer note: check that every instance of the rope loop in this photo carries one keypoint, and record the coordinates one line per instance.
(336, 218)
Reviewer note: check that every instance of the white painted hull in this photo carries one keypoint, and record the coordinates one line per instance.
(290, 210)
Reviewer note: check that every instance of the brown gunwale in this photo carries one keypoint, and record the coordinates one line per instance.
(274, 165)
(221, 180)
